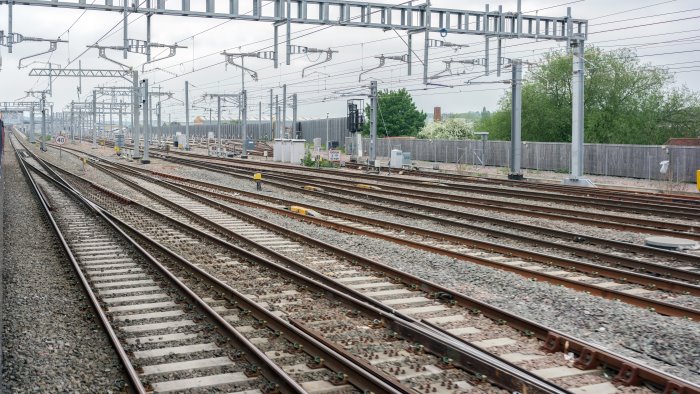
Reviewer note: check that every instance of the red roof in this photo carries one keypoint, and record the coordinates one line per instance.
(683, 141)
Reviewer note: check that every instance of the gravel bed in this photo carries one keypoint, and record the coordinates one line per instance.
(670, 344)
(52, 342)
(534, 201)
(226, 180)
(383, 181)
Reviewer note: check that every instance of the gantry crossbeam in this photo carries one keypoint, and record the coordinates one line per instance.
(494, 23)
(75, 72)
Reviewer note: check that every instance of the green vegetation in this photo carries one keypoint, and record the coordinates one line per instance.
(448, 129)
(397, 115)
(626, 102)
(309, 161)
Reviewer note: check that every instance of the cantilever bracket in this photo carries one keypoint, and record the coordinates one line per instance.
(103, 54)
(448, 67)
(139, 45)
(329, 56)
(229, 60)
(382, 62)
(444, 44)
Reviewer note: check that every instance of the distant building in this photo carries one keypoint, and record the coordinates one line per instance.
(683, 141)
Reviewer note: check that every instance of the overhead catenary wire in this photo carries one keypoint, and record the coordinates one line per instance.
(433, 61)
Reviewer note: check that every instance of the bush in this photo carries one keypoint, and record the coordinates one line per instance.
(450, 129)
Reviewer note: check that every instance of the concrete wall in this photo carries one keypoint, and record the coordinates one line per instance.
(634, 161)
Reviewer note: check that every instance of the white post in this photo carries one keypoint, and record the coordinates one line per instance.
(328, 144)
(187, 116)
(516, 121)
(577, 116)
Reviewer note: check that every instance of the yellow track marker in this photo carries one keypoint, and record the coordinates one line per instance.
(312, 188)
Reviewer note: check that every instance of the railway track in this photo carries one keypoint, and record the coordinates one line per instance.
(533, 265)
(392, 348)
(389, 203)
(384, 189)
(163, 336)
(638, 289)
(679, 206)
(615, 196)
(372, 279)
(530, 264)
(681, 265)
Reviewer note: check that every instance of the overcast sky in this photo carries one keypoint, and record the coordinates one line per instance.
(638, 24)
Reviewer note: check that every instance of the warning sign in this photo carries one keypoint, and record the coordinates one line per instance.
(333, 155)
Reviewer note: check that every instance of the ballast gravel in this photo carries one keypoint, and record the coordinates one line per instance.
(52, 342)
(669, 344)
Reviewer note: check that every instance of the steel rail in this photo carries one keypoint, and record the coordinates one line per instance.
(589, 354)
(466, 355)
(337, 359)
(644, 302)
(620, 223)
(632, 207)
(676, 211)
(621, 261)
(362, 200)
(613, 273)
(553, 339)
(270, 370)
(610, 194)
(595, 194)
(132, 376)
(606, 193)
(649, 268)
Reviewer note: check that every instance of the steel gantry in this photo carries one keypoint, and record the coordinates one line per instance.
(24, 106)
(408, 17)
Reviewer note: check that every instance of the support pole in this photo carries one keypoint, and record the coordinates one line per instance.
(187, 116)
(327, 131)
(136, 124)
(32, 127)
(577, 116)
(426, 25)
(148, 32)
(289, 31)
(159, 121)
(72, 122)
(284, 109)
(294, 114)
(9, 26)
(516, 117)
(125, 29)
(146, 122)
(43, 122)
(577, 113)
(273, 135)
(218, 124)
(244, 127)
(276, 46)
(94, 118)
(373, 123)
(121, 122)
(409, 57)
(277, 116)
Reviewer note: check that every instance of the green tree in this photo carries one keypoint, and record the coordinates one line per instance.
(626, 102)
(397, 115)
(450, 129)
